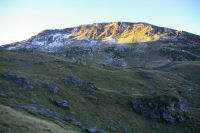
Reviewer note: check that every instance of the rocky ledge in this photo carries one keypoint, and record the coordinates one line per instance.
(161, 108)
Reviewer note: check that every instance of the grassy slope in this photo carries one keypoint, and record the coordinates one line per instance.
(103, 107)
(14, 121)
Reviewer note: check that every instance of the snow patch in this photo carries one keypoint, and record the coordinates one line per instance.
(37, 43)
(86, 38)
(56, 35)
(111, 40)
(55, 44)
(70, 35)
(11, 48)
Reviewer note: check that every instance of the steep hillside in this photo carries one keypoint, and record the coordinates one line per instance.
(102, 78)
(96, 98)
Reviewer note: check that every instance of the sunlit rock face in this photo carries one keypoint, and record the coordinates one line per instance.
(121, 32)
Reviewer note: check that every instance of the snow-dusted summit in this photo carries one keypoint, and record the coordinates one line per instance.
(117, 43)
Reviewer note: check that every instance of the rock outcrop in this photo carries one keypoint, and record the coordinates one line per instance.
(161, 108)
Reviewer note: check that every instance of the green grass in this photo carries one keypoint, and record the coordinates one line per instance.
(14, 121)
(102, 108)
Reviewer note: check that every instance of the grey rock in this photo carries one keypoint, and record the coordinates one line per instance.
(55, 117)
(78, 60)
(76, 123)
(181, 106)
(63, 122)
(112, 128)
(33, 101)
(55, 113)
(125, 130)
(63, 104)
(20, 81)
(99, 89)
(180, 118)
(91, 129)
(42, 110)
(101, 131)
(90, 85)
(74, 81)
(73, 113)
(168, 118)
(30, 86)
(53, 89)
(69, 119)
(132, 89)
(171, 107)
(160, 111)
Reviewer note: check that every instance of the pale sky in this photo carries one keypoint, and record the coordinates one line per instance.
(21, 19)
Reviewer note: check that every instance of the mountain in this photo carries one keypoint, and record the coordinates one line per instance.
(102, 78)
(118, 43)
(112, 33)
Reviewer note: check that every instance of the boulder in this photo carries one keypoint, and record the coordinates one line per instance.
(179, 118)
(73, 113)
(54, 89)
(63, 122)
(41, 110)
(19, 80)
(76, 123)
(33, 101)
(101, 131)
(79, 61)
(126, 130)
(166, 109)
(69, 119)
(168, 117)
(112, 128)
(91, 129)
(181, 106)
(63, 104)
(74, 81)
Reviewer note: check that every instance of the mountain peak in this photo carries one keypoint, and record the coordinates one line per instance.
(122, 32)
(103, 33)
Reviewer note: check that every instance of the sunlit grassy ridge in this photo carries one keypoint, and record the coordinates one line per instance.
(119, 32)
(109, 106)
